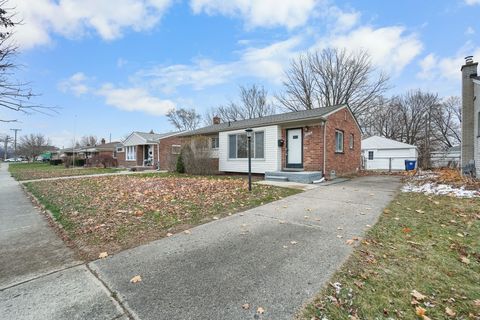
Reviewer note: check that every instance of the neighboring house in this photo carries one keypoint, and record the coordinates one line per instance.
(288, 142)
(142, 149)
(105, 150)
(470, 157)
(448, 158)
(380, 153)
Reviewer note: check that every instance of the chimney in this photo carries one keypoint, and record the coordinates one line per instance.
(102, 141)
(216, 120)
(469, 70)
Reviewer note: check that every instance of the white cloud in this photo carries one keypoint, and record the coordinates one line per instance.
(446, 68)
(264, 13)
(134, 99)
(472, 2)
(266, 63)
(470, 31)
(75, 84)
(75, 18)
(389, 47)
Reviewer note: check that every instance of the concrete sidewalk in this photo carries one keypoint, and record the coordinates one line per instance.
(120, 173)
(276, 256)
(39, 276)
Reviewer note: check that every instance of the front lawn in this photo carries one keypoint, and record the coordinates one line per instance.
(420, 261)
(34, 171)
(116, 212)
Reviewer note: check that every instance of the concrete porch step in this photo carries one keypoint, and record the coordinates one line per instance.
(299, 176)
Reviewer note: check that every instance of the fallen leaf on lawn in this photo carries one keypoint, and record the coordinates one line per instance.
(139, 213)
(169, 234)
(396, 218)
(406, 230)
(476, 303)
(420, 311)
(103, 255)
(387, 211)
(293, 242)
(436, 202)
(215, 218)
(245, 306)
(460, 235)
(260, 310)
(417, 295)
(450, 312)
(465, 260)
(136, 279)
(350, 241)
(187, 232)
(419, 211)
(414, 302)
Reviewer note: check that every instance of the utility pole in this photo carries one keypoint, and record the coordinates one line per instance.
(7, 138)
(15, 143)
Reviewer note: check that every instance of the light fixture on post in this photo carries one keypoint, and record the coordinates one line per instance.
(249, 151)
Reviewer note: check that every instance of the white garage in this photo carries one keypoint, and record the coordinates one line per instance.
(380, 153)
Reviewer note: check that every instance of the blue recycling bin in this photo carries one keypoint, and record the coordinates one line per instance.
(410, 165)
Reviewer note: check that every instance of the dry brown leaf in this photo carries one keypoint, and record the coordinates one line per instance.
(465, 260)
(215, 218)
(460, 235)
(136, 279)
(103, 255)
(417, 295)
(419, 211)
(350, 241)
(476, 303)
(245, 306)
(387, 211)
(420, 311)
(260, 310)
(450, 312)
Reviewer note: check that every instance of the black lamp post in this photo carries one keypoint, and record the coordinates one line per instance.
(249, 145)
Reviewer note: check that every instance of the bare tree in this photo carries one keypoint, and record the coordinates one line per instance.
(33, 145)
(331, 77)
(184, 119)
(86, 141)
(253, 104)
(14, 95)
(447, 119)
(299, 86)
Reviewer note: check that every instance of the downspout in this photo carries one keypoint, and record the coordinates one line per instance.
(324, 146)
(158, 155)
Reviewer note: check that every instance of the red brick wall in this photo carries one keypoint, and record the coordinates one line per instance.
(343, 163)
(167, 159)
(348, 161)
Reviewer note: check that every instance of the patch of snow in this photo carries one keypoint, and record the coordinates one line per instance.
(441, 189)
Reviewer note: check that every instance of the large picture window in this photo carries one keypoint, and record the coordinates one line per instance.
(338, 141)
(131, 153)
(238, 149)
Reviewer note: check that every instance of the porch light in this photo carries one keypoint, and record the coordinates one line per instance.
(249, 148)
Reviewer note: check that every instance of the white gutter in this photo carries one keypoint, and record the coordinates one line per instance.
(324, 146)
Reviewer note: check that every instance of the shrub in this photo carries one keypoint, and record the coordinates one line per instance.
(102, 160)
(55, 162)
(68, 162)
(180, 167)
(197, 157)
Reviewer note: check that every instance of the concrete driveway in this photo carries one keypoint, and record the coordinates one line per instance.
(276, 256)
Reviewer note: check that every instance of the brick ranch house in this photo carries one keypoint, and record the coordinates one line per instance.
(298, 146)
(145, 149)
(104, 149)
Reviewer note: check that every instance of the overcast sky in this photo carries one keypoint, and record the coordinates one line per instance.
(115, 66)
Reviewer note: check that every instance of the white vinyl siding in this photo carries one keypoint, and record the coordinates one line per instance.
(382, 159)
(130, 153)
(271, 160)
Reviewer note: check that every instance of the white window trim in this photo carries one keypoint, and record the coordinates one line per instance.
(131, 153)
(176, 146)
(343, 142)
(252, 146)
